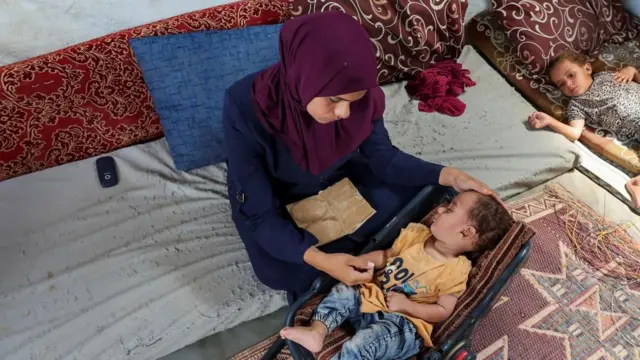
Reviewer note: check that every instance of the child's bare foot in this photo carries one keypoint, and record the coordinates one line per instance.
(311, 338)
(633, 187)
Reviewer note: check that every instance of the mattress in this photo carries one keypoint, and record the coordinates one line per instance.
(490, 140)
(153, 264)
(135, 271)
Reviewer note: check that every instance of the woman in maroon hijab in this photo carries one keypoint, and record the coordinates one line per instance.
(302, 125)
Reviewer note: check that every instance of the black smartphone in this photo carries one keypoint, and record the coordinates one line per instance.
(107, 172)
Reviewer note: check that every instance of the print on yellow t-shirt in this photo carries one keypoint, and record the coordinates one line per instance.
(411, 271)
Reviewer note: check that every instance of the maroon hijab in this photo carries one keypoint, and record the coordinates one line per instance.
(324, 54)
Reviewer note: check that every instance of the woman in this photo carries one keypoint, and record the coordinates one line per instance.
(302, 125)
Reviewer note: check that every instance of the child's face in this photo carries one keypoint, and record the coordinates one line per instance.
(571, 78)
(451, 224)
(328, 109)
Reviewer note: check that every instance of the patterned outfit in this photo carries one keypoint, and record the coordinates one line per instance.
(610, 106)
(381, 334)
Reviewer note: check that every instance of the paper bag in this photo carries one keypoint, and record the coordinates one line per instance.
(335, 212)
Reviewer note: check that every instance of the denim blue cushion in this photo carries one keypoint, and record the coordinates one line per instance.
(187, 76)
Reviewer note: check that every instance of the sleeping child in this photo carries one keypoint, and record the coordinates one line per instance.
(421, 277)
(606, 100)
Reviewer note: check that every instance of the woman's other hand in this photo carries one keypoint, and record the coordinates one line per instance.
(539, 120)
(625, 75)
(348, 269)
(460, 181)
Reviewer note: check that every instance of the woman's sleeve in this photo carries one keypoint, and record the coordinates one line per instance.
(257, 213)
(393, 166)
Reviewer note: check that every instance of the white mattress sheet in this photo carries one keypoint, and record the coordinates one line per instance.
(131, 272)
(151, 265)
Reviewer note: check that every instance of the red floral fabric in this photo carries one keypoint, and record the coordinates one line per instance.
(542, 29)
(90, 98)
(408, 35)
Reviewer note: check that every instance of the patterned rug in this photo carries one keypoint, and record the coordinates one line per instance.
(557, 307)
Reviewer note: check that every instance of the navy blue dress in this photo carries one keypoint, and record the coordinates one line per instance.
(263, 178)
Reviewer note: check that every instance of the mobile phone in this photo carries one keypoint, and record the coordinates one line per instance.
(107, 172)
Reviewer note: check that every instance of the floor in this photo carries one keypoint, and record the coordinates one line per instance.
(224, 345)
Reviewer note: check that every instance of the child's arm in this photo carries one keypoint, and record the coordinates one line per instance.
(431, 313)
(573, 131)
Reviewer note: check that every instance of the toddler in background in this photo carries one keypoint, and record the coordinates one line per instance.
(606, 100)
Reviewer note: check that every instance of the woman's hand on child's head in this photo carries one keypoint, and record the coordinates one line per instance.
(539, 120)
(397, 302)
(625, 75)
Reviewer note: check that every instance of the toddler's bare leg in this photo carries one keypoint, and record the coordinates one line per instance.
(310, 337)
(342, 303)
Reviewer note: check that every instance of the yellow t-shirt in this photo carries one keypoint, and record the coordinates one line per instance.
(421, 277)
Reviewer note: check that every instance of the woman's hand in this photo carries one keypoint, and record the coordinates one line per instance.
(397, 302)
(625, 75)
(349, 269)
(378, 258)
(461, 181)
(539, 120)
(345, 268)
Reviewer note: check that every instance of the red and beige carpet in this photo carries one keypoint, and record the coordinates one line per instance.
(557, 307)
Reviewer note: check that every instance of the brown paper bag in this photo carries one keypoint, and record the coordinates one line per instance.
(333, 213)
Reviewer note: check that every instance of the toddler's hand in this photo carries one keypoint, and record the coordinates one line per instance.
(397, 302)
(539, 120)
(625, 75)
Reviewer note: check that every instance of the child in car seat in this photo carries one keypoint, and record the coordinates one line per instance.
(420, 279)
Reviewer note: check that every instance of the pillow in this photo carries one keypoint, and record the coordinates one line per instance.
(542, 29)
(90, 98)
(407, 35)
(187, 76)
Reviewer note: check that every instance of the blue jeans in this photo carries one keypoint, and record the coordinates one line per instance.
(378, 336)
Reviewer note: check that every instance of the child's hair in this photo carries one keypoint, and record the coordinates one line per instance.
(571, 56)
(492, 222)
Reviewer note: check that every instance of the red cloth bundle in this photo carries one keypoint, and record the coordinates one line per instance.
(438, 87)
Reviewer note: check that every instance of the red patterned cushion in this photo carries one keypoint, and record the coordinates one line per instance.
(90, 98)
(542, 29)
(408, 35)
